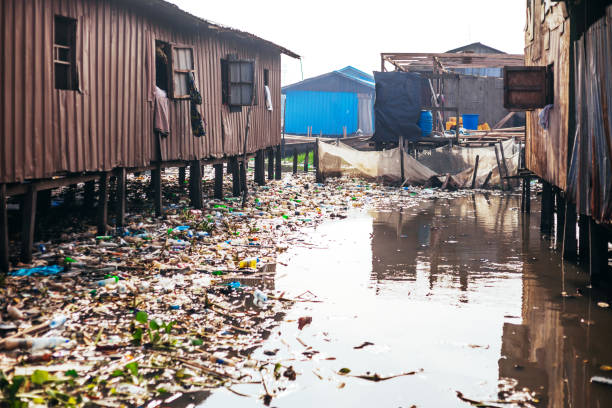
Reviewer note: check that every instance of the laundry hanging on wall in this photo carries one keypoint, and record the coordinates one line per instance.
(197, 123)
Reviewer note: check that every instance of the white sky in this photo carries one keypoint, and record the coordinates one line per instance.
(331, 34)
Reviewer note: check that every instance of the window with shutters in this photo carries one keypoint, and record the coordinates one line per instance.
(238, 82)
(64, 50)
(182, 66)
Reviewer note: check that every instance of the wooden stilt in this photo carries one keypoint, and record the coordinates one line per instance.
(121, 174)
(43, 201)
(89, 196)
(195, 184)
(218, 181)
(70, 197)
(502, 180)
(181, 177)
(157, 190)
(277, 164)
(243, 176)
(270, 164)
(569, 233)
(560, 209)
(319, 174)
(475, 172)
(102, 204)
(547, 208)
(260, 177)
(598, 257)
(583, 239)
(28, 222)
(235, 176)
(295, 161)
(485, 183)
(4, 242)
(315, 153)
(306, 161)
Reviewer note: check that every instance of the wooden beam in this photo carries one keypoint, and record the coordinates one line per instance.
(89, 195)
(560, 225)
(218, 181)
(243, 176)
(583, 239)
(547, 208)
(102, 204)
(475, 172)
(306, 161)
(121, 175)
(28, 223)
(195, 184)
(4, 239)
(295, 161)
(260, 174)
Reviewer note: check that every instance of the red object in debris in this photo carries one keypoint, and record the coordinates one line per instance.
(303, 321)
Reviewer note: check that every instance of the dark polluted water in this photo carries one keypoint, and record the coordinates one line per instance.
(463, 291)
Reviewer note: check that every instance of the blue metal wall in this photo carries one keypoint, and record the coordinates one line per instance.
(326, 112)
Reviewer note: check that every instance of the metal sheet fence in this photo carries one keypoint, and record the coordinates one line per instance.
(590, 173)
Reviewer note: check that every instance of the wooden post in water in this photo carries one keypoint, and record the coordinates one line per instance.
(598, 257)
(278, 167)
(218, 181)
(121, 174)
(401, 153)
(485, 183)
(560, 209)
(243, 176)
(260, 176)
(102, 203)
(499, 169)
(295, 161)
(89, 195)
(195, 184)
(583, 239)
(547, 208)
(4, 240)
(504, 165)
(569, 232)
(475, 172)
(270, 163)
(306, 161)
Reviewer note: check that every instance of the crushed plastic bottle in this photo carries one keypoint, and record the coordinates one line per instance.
(108, 281)
(57, 321)
(40, 343)
(259, 296)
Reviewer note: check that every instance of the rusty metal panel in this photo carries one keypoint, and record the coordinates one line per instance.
(524, 88)
(107, 123)
(547, 149)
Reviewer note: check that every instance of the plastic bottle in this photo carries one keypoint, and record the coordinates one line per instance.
(248, 263)
(57, 321)
(46, 342)
(260, 296)
(108, 281)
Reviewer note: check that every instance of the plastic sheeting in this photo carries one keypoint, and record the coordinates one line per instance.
(397, 106)
(590, 172)
(460, 162)
(335, 160)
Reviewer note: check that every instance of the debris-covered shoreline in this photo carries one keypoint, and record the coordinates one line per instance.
(164, 306)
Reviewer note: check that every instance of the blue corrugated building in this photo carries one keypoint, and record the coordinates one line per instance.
(329, 102)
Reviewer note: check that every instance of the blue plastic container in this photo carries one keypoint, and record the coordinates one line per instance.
(425, 123)
(470, 121)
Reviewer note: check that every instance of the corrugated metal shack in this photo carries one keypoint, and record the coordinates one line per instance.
(566, 89)
(78, 99)
(331, 104)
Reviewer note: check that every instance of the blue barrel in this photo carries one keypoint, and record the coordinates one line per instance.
(425, 123)
(470, 121)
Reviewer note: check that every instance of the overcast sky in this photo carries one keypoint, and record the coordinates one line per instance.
(331, 34)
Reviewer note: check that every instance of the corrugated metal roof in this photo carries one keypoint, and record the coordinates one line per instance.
(350, 73)
(174, 9)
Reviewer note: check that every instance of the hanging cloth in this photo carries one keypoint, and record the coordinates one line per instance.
(268, 98)
(197, 124)
(160, 113)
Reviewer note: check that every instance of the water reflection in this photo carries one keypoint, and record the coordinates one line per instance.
(464, 288)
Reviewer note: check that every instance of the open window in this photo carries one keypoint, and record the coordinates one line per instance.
(162, 65)
(64, 50)
(238, 82)
(182, 66)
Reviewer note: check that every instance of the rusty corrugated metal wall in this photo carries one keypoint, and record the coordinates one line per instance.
(547, 41)
(108, 123)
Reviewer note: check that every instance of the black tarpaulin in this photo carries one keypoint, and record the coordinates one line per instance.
(397, 107)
